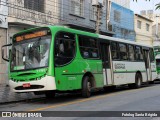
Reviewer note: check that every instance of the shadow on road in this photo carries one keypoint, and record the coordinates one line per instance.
(71, 97)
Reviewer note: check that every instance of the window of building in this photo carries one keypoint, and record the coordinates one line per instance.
(88, 47)
(123, 51)
(138, 53)
(37, 5)
(147, 27)
(77, 7)
(117, 16)
(93, 13)
(65, 48)
(131, 52)
(139, 24)
(114, 50)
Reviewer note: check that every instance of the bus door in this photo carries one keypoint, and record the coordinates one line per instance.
(106, 63)
(147, 64)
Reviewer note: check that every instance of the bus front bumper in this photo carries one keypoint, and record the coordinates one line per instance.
(44, 84)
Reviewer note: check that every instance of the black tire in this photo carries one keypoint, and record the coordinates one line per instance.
(50, 94)
(151, 82)
(138, 82)
(86, 87)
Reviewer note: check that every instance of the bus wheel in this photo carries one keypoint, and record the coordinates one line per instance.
(151, 82)
(50, 94)
(86, 87)
(138, 82)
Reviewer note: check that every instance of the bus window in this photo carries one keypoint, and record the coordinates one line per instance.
(114, 50)
(151, 55)
(64, 48)
(131, 52)
(123, 51)
(138, 53)
(88, 47)
(158, 63)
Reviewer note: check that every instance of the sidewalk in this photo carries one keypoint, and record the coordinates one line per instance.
(6, 95)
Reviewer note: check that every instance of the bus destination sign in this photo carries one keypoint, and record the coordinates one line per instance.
(30, 36)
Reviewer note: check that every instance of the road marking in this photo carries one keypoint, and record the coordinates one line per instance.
(88, 99)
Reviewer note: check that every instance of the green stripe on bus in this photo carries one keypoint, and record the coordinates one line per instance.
(126, 71)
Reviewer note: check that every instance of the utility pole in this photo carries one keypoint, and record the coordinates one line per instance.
(99, 17)
(99, 6)
(157, 28)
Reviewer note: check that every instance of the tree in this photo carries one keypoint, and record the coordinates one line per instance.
(157, 5)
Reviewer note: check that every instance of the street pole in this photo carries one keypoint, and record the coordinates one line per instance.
(156, 39)
(99, 15)
(157, 27)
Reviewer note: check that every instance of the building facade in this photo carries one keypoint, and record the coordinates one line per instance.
(81, 13)
(123, 3)
(155, 24)
(3, 39)
(122, 21)
(143, 29)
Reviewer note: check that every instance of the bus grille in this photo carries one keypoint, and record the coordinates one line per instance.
(31, 87)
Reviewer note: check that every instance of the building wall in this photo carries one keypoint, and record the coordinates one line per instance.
(3, 40)
(124, 3)
(124, 27)
(3, 64)
(69, 17)
(154, 31)
(19, 12)
(156, 20)
(142, 35)
(3, 14)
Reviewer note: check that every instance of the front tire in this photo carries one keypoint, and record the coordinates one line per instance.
(86, 87)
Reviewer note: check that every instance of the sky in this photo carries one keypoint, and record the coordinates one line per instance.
(144, 5)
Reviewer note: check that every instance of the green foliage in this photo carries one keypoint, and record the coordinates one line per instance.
(157, 6)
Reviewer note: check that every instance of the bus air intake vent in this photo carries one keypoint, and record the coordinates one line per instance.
(28, 88)
(26, 74)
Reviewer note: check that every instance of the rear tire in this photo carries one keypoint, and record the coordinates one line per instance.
(50, 94)
(151, 82)
(86, 87)
(138, 82)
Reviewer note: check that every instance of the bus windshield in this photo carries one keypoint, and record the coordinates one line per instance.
(30, 54)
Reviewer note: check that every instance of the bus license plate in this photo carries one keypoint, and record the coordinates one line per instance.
(26, 85)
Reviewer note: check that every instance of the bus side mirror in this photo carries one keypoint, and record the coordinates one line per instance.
(2, 49)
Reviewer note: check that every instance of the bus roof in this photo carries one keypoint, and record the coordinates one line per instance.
(89, 34)
(106, 37)
(123, 40)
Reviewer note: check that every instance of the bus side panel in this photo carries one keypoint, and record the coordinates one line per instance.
(96, 70)
(119, 72)
(124, 72)
(68, 77)
(153, 70)
(132, 68)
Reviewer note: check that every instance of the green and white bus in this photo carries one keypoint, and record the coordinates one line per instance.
(59, 59)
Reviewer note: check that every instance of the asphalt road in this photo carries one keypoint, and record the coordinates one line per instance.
(146, 98)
